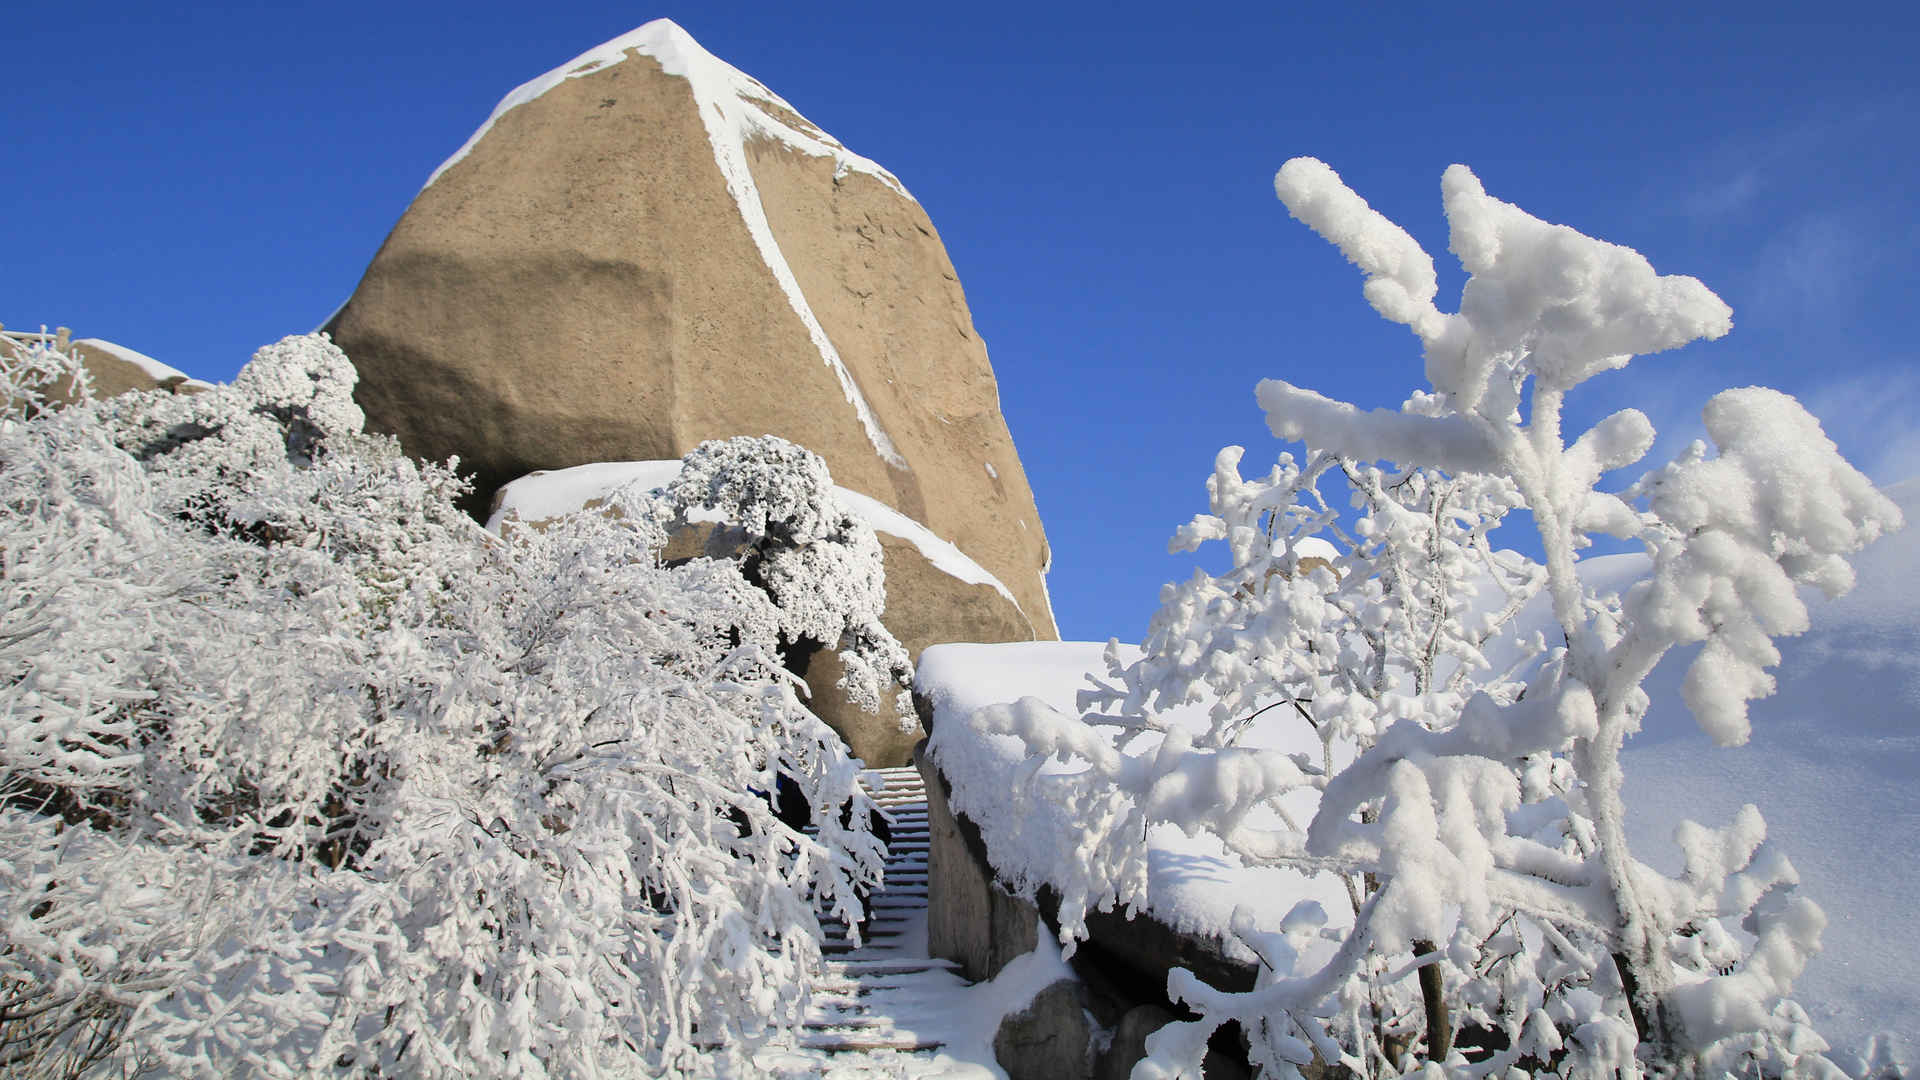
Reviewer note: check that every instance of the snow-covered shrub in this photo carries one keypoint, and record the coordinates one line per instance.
(1469, 786)
(819, 563)
(302, 772)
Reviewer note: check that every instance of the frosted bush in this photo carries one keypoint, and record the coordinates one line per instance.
(819, 563)
(301, 772)
(1468, 790)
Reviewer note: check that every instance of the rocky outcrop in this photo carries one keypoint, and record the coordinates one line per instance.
(117, 369)
(1053, 1038)
(114, 369)
(644, 249)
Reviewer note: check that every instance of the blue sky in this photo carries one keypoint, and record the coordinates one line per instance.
(195, 181)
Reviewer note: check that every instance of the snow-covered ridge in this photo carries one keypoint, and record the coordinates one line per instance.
(736, 109)
(154, 369)
(543, 495)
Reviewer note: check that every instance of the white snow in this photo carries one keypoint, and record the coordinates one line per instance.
(548, 494)
(1195, 884)
(1603, 302)
(1313, 547)
(736, 110)
(949, 559)
(1830, 762)
(154, 369)
(551, 493)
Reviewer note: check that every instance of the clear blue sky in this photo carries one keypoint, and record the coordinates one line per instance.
(196, 180)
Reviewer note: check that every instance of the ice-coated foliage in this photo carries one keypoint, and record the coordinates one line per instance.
(302, 772)
(1468, 790)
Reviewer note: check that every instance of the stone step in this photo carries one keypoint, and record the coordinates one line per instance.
(842, 1021)
(905, 966)
(861, 1043)
(839, 1024)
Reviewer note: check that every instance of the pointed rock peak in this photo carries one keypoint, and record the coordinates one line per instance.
(735, 106)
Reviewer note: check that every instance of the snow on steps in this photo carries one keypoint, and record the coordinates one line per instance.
(871, 1016)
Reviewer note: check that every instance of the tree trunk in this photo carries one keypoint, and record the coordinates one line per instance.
(1641, 952)
(1433, 996)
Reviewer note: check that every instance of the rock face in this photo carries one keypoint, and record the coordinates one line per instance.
(970, 919)
(117, 369)
(644, 249)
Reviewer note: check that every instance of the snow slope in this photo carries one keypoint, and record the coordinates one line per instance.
(542, 495)
(736, 109)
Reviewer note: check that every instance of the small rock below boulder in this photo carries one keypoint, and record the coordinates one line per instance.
(1129, 1046)
(1053, 1038)
(877, 738)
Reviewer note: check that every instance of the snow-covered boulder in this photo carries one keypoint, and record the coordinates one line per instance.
(114, 369)
(645, 248)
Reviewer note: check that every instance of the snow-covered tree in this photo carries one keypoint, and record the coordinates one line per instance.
(303, 772)
(1476, 805)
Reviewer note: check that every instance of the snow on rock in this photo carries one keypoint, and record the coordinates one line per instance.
(739, 103)
(736, 109)
(550, 494)
(154, 369)
(1195, 884)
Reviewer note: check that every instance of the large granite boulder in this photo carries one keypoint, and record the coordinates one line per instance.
(644, 249)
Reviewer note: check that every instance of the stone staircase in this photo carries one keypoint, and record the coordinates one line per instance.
(874, 1013)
